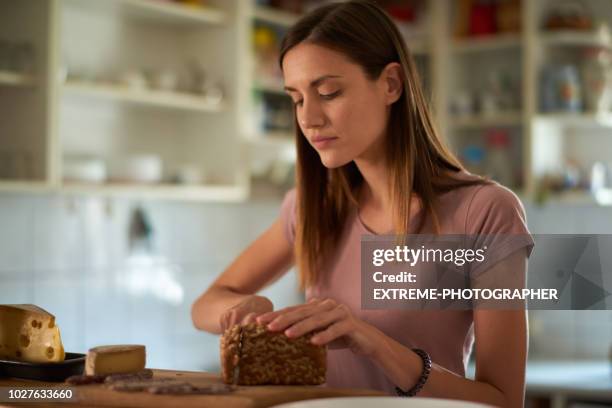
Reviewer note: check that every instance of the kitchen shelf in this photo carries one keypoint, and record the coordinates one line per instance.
(156, 11)
(144, 97)
(486, 43)
(24, 186)
(477, 121)
(224, 193)
(16, 79)
(576, 39)
(578, 118)
(275, 16)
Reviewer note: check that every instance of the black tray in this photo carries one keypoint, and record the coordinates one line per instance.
(73, 365)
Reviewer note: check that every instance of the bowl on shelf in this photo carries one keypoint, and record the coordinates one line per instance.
(84, 169)
(140, 168)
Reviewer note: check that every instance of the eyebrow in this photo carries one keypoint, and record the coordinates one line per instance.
(315, 83)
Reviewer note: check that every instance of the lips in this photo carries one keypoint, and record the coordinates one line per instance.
(323, 141)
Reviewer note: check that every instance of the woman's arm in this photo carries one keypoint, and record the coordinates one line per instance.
(264, 261)
(501, 339)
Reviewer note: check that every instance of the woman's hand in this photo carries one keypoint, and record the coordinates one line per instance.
(333, 323)
(245, 312)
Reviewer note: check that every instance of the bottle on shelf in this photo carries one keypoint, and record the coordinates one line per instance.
(596, 73)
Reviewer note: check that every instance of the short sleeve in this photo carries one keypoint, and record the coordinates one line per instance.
(496, 220)
(288, 215)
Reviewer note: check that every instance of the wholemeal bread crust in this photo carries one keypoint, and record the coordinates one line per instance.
(271, 358)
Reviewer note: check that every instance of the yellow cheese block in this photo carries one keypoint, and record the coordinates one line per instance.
(126, 358)
(28, 333)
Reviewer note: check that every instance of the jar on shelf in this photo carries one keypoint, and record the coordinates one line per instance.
(561, 89)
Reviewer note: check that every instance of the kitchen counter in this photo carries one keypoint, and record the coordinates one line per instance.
(591, 379)
(244, 397)
(564, 380)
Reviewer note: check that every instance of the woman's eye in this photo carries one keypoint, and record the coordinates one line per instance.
(298, 103)
(329, 95)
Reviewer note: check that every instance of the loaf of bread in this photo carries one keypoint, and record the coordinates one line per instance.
(267, 357)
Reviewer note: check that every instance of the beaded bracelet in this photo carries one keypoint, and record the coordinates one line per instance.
(422, 379)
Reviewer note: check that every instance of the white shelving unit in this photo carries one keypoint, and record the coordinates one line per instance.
(582, 119)
(222, 193)
(144, 97)
(156, 12)
(559, 137)
(89, 116)
(94, 118)
(576, 39)
(267, 148)
(543, 140)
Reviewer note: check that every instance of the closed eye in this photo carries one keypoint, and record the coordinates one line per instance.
(326, 97)
(330, 96)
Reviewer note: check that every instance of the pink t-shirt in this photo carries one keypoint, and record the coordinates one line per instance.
(446, 335)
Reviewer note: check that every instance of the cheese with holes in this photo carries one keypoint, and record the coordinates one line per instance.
(29, 333)
(127, 358)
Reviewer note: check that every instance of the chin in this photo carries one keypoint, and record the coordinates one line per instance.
(332, 161)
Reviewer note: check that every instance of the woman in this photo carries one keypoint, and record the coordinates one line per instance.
(370, 162)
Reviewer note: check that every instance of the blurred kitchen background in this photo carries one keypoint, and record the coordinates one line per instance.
(145, 143)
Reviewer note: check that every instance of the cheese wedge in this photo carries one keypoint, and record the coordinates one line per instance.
(104, 360)
(28, 333)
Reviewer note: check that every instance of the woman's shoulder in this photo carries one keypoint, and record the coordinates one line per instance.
(494, 208)
(482, 191)
(486, 206)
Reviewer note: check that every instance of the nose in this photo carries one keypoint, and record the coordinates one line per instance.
(311, 114)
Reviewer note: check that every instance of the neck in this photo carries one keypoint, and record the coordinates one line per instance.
(376, 191)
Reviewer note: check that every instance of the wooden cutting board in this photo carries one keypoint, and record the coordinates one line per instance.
(245, 397)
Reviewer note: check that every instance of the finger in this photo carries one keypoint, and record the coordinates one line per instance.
(225, 320)
(285, 320)
(332, 333)
(266, 318)
(249, 318)
(315, 322)
(314, 300)
(232, 318)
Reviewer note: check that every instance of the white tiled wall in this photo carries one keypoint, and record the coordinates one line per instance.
(70, 256)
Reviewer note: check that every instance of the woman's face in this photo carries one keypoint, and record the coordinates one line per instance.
(341, 112)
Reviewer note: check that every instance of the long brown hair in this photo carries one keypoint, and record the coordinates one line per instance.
(418, 160)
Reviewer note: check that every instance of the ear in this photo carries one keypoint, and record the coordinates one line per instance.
(392, 82)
